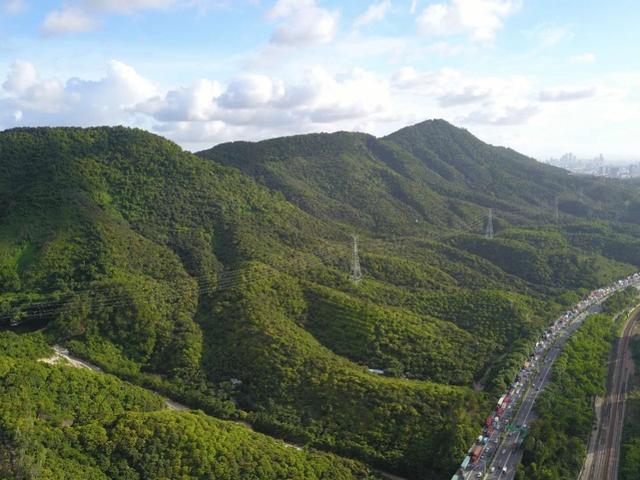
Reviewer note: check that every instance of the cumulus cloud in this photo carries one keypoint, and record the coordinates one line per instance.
(194, 103)
(375, 13)
(22, 76)
(567, 94)
(36, 101)
(302, 22)
(252, 91)
(583, 58)
(258, 106)
(481, 19)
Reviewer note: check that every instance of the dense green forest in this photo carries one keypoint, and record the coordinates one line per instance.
(62, 422)
(555, 447)
(222, 280)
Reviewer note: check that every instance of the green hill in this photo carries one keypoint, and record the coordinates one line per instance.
(222, 280)
(61, 422)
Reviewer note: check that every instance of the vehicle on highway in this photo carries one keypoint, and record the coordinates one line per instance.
(529, 381)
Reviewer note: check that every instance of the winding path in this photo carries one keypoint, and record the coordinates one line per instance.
(61, 355)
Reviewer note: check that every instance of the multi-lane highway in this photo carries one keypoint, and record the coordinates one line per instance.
(497, 456)
(603, 451)
(504, 463)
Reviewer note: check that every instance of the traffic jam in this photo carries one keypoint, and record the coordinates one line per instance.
(498, 425)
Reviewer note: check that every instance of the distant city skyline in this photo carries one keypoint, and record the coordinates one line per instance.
(613, 160)
(542, 77)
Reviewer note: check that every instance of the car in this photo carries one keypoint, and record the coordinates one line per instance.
(504, 469)
(493, 469)
(504, 450)
(479, 475)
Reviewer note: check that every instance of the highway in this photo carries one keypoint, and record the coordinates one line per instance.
(603, 451)
(508, 455)
(500, 452)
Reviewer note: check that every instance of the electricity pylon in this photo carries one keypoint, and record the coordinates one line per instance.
(489, 232)
(356, 272)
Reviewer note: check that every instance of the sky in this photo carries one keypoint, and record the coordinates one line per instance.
(544, 77)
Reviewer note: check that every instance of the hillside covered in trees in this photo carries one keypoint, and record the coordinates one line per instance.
(222, 280)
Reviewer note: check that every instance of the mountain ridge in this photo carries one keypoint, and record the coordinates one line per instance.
(228, 287)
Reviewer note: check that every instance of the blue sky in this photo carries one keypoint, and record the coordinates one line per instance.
(544, 77)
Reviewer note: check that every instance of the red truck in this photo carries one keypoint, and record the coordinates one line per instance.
(475, 453)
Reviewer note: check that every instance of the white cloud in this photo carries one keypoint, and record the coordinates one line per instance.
(583, 58)
(257, 106)
(77, 101)
(28, 92)
(453, 88)
(549, 35)
(82, 15)
(464, 96)
(501, 116)
(481, 19)
(254, 106)
(251, 91)
(122, 6)
(375, 13)
(13, 6)
(567, 94)
(195, 103)
(414, 6)
(68, 20)
(21, 77)
(302, 22)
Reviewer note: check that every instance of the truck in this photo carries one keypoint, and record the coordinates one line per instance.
(475, 453)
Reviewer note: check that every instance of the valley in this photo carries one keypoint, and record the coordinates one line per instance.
(224, 280)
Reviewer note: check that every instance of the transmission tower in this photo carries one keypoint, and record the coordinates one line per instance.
(556, 212)
(489, 233)
(356, 272)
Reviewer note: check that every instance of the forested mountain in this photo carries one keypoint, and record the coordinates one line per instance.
(424, 175)
(222, 280)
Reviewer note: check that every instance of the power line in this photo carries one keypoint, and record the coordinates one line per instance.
(356, 272)
(489, 232)
(208, 283)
